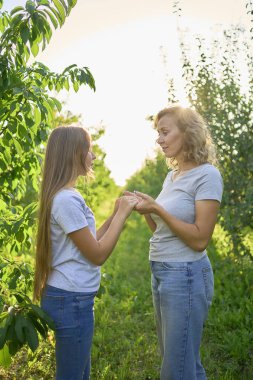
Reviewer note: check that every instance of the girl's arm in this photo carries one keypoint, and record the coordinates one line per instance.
(97, 251)
(102, 230)
(196, 235)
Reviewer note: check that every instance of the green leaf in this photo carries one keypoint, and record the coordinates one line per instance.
(3, 332)
(43, 2)
(37, 116)
(22, 132)
(18, 147)
(25, 33)
(16, 9)
(64, 6)
(52, 18)
(43, 316)
(41, 328)
(69, 68)
(57, 15)
(72, 3)
(31, 335)
(60, 9)
(19, 327)
(66, 84)
(14, 346)
(57, 103)
(5, 358)
(34, 49)
(7, 154)
(3, 316)
(76, 86)
(16, 19)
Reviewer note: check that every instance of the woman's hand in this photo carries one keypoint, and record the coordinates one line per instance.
(145, 205)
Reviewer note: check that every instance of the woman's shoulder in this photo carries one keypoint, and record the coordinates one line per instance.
(210, 170)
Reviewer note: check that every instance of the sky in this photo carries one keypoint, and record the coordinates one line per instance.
(123, 43)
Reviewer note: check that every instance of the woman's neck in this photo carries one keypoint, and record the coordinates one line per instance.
(186, 165)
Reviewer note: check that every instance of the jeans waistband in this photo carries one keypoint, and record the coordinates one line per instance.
(57, 291)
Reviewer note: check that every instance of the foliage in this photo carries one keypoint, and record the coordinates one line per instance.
(100, 191)
(150, 178)
(27, 111)
(26, 108)
(214, 87)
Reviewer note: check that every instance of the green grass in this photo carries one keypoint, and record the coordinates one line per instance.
(125, 343)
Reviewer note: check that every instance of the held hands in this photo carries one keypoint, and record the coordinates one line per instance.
(126, 204)
(145, 205)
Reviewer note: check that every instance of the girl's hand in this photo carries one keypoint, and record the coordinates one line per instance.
(133, 194)
(116, 205)
(127, 204)
(146, 204)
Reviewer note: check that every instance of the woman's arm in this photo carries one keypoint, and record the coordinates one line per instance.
(97, 251)
(196, 235)
(150, 222)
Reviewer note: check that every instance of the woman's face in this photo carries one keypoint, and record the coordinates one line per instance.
(170, 139)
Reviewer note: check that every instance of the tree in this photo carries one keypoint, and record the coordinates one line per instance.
(26, 114)
(214, 88)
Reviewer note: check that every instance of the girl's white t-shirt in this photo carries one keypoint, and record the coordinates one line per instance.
(71, 271)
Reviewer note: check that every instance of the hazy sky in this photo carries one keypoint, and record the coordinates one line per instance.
(120, 41)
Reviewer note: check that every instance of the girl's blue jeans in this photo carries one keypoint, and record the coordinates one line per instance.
(182, 294)
(73, 315)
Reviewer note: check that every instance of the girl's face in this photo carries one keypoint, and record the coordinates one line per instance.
(170, 139)
(89, 159)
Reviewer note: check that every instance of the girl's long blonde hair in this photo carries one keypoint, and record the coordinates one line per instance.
(65, 160)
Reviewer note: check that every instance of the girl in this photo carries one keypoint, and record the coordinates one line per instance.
(182, 219)
(70, 251)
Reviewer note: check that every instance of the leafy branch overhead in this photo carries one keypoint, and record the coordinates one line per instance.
(26, 106)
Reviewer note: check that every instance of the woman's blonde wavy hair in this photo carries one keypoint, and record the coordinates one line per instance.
(65, 160)
(198, 144)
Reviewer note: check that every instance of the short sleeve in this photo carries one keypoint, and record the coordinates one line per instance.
(210, 185)
(69, 213)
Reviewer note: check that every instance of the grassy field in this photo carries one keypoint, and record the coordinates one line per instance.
(125, 344)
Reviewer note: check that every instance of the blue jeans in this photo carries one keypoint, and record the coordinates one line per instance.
(182, 294)
(73, 315)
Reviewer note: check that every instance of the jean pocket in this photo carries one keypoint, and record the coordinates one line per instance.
(54, 307)
(209, 284)
(85, 301)
(174, 267)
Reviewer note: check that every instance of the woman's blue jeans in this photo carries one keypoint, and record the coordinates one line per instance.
(182, 294)
(73, 315)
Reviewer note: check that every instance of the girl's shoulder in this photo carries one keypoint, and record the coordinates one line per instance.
(68, 195)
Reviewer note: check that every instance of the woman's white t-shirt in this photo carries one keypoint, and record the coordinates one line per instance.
(178, 198)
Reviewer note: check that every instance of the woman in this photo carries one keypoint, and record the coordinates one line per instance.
(182, 219)
(70, 251)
